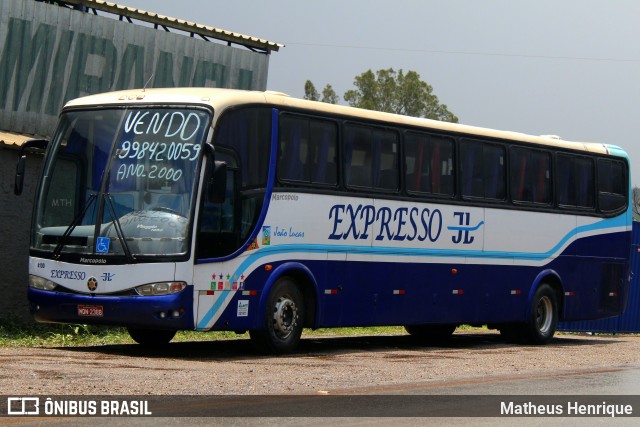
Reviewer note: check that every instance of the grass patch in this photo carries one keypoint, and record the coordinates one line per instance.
(14, 333)
(17, 334)
(345, 332)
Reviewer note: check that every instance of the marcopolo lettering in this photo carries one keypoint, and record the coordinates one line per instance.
(400, 224)
(93, 260)
(69, 275)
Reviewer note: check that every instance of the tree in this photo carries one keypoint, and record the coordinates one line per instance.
(310, 91)
(329, 95)
(399, 93)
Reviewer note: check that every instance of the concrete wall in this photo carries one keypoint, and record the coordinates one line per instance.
(15, 223)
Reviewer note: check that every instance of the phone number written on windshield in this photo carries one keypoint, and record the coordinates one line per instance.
(155, 152)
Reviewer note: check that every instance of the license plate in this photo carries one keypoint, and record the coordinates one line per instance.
(90, 311)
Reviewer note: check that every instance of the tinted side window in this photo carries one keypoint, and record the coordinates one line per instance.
(612, 185)
(530, 176)
(247, 132)
(429, 164)
(308, 150)
(575, 181)
(371, 158)
(482, 170)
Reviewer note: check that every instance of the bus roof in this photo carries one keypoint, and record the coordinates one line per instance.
(219, 99)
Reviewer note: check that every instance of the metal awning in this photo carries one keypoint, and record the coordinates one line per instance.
(14, 140)
(203, 31)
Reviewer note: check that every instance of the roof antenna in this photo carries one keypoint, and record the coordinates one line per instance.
(145, 85)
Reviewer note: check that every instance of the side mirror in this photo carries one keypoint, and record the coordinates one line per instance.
(20, 167)
(217, 185)
(216, 177)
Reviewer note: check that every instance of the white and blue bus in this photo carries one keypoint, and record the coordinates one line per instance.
(208, 209)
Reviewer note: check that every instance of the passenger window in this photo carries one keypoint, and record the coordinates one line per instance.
(429, 164)
(247, 132)
(575, 181)
(308, 151)
(612, 185)
(482, 170)
(530, 176)
(371, 158)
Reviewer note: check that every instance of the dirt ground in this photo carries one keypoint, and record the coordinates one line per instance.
(327, 365)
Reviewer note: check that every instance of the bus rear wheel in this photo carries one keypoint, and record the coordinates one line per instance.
(283, 321)
(431, 333)
(543, 320)
(151, 337)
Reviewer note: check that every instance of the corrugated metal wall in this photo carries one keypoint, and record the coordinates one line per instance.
(629, 321)
(51, 54)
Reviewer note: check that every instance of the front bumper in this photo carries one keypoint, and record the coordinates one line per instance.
(153, 312)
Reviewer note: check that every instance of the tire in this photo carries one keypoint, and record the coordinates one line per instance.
(283, 319)
(543, 321)
(151, 337)
(431, 333)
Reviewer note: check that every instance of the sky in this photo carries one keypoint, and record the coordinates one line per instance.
(545, 67)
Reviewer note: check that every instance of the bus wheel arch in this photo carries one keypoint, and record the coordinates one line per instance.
(288, 304)
(552, 279)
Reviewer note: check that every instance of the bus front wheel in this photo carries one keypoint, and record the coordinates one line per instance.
(283, 321)
(151, 337)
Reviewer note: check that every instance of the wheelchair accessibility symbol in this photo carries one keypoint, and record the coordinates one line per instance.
(102, 246)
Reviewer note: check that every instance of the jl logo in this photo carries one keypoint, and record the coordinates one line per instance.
(464, 229)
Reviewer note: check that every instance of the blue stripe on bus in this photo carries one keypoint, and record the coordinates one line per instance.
(395, 251)
(465, 228)
(392, 251)
(216, 306)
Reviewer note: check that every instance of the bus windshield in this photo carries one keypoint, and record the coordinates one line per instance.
(120, 182)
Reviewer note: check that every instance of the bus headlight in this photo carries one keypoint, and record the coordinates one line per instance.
(38, 282)
(161, 288)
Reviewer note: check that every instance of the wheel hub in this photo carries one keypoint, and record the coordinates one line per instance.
(544, 314)
(285, 317)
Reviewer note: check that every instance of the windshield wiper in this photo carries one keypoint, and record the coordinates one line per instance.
(118, 227)
(62, 241)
